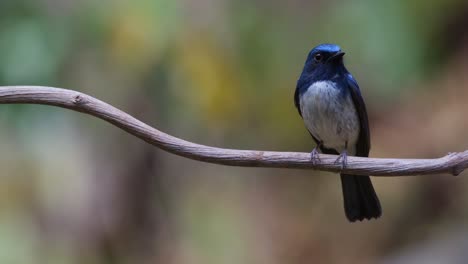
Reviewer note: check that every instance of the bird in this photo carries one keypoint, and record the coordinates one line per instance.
(330, 103)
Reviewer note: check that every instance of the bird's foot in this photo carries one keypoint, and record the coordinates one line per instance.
(314, 156)
(343, 158)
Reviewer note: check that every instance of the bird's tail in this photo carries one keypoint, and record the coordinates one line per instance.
(360, 200)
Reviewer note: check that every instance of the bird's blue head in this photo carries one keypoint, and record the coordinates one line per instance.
(323, 61)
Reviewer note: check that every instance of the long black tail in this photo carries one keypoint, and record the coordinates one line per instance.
(360, 200)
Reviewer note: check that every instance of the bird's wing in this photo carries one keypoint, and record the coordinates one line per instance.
(363, 143)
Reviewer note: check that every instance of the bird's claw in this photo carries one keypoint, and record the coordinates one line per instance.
(314, 156)
(343, 158)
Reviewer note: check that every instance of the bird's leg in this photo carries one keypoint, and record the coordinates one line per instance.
(343, 157)
(314, 154)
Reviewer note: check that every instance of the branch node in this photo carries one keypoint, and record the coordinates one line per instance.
(456, 170)
(78, 99)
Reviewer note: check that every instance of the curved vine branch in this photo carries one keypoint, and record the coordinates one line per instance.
(453, 163)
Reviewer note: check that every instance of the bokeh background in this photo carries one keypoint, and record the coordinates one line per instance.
(74, 189)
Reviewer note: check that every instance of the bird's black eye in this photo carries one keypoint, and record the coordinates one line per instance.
(318, 57)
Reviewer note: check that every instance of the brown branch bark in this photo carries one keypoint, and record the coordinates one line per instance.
(453, 163)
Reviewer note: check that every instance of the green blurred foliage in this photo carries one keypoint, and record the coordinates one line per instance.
(221, 73)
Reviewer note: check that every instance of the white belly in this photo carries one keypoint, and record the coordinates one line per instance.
(330, 116)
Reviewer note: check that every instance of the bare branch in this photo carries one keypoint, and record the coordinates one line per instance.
(453, 163)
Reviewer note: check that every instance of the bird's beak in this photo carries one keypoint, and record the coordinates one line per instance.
(337, 55)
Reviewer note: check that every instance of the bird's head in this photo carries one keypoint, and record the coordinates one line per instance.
(324, 57)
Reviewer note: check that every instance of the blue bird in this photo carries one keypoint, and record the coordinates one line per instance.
(330, 103)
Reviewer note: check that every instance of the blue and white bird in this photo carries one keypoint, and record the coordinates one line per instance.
(330, 103)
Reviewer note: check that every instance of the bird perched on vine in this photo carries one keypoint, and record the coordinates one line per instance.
(330, 103)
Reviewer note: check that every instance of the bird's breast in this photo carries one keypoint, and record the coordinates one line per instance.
(330, 116)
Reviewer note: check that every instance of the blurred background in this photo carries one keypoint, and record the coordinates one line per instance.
(75, 189)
